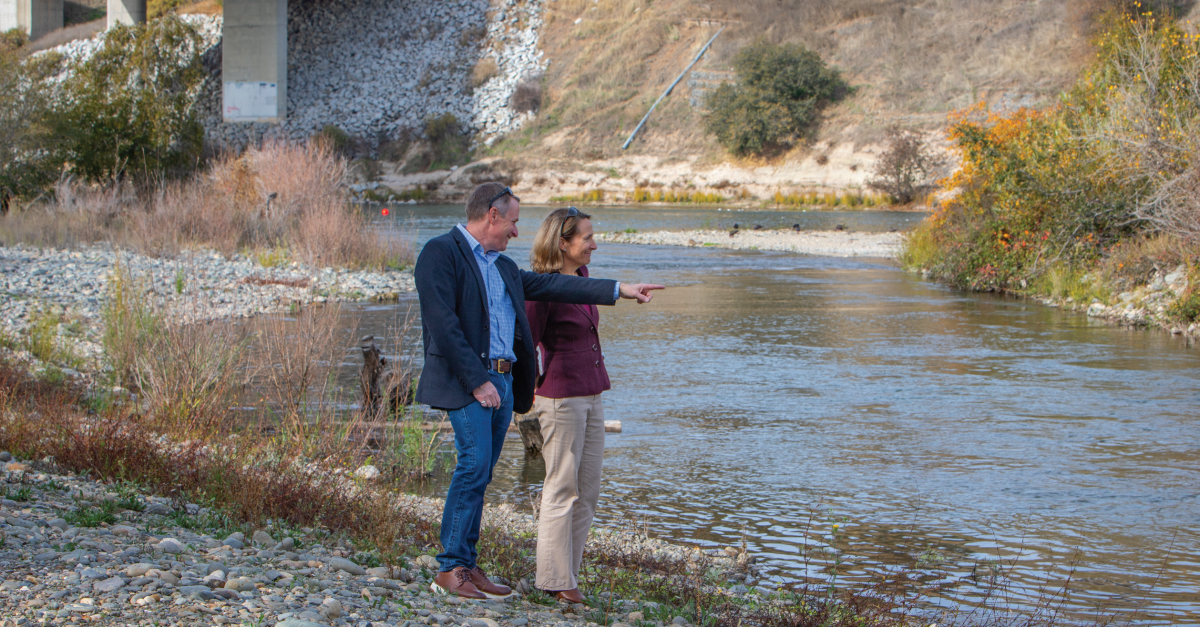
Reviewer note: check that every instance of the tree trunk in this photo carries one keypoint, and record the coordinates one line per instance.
(530, 429)
(373, 363)
(396, 386)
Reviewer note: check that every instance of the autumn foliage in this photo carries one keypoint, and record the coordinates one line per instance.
(1064, 187)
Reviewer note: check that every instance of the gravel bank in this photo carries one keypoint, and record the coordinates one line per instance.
(142, 568)
(827, 243)
(196, 286)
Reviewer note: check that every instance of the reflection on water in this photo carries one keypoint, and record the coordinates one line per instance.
(775, 395)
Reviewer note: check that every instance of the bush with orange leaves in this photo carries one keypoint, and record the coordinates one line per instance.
(1043, 191)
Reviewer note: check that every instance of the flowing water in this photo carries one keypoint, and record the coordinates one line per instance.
(843, 414)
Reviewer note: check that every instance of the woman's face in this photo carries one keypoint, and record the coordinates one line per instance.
(577, 251)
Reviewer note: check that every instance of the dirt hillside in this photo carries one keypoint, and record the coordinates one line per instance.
(910, 62)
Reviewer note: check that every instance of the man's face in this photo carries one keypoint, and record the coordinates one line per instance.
(502, 228)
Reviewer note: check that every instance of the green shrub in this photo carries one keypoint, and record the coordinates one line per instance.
(448, 145)
(1187, 306)
(88, 515)
(12, 39)
(780, 92)
(129, 108)
(28, 159)
(338, 139)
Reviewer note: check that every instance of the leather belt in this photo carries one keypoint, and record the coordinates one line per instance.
(503, 366)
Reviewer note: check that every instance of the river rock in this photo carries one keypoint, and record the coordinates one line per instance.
(240, 584)
(159, 509)
(367, 472)
(341, 563)
(138, 570)
(199, 592)
(170, 545)
(262, 538)
(331, 609)
(111, 584)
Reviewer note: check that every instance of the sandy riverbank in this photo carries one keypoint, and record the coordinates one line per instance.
(827, 243)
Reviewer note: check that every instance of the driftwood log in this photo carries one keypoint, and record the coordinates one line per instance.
(530, 429)
(380, 380)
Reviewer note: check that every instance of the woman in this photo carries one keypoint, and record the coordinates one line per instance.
(567, 404)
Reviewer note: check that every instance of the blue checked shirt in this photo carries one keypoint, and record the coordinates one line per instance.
(502, 316)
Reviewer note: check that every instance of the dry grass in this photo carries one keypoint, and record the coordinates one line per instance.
(282, 196)
(485, 70)
(910, 63)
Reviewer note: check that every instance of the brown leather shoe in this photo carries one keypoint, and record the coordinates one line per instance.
(457, 581)
(485, 585)
(569, 596)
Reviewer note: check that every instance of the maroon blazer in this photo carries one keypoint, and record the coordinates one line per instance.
(567, 336)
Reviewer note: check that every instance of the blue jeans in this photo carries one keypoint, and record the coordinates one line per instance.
(479, 436)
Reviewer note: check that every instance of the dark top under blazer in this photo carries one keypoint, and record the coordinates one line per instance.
(454, 320)
(572, 361)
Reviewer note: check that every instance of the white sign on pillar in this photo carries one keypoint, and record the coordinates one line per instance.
(249, 101)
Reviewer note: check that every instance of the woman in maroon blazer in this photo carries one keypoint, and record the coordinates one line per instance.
(567, 404)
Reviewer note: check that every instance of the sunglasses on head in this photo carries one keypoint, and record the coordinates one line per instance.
(505, 192)
(571, 213)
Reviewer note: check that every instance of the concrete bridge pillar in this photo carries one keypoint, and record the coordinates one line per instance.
(126, 12)
(254, 61)
(35, 17)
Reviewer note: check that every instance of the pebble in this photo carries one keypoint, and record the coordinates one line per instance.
(341, 563)
(367, 472)
(170, 545)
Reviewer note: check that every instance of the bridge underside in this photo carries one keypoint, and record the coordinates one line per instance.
(254, 61)
(126, 12)
(35, 17)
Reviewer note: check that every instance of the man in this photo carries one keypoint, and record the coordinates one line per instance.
(479, 363)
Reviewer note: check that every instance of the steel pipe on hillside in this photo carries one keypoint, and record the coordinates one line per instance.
(669, 89)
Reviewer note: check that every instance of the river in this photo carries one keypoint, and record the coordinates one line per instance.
(957, 435)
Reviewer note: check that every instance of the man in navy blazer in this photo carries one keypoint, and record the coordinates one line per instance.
(480, 363)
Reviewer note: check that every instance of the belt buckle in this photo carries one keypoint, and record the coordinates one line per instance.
(503, 366)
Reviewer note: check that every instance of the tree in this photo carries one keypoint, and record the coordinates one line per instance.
(780, 92)
(26, 156)
(130, 107)
(905, 168)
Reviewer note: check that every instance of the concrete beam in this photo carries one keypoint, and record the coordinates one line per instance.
(254, 61)
(126, 12)
(35, 17)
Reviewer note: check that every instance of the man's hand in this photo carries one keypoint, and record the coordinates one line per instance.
(640, 291)
(487, 395)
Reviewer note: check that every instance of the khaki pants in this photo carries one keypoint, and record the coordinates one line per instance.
(573, 430)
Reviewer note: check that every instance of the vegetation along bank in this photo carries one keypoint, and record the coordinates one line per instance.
(1093, 203)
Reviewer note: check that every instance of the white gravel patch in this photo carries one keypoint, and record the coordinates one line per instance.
(824, 243)
(197, 286)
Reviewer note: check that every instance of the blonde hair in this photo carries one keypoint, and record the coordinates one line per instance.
(545, 257)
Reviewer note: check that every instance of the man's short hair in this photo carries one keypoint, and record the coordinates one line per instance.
(480, 200)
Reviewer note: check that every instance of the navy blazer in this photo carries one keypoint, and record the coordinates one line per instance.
(454, 320)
